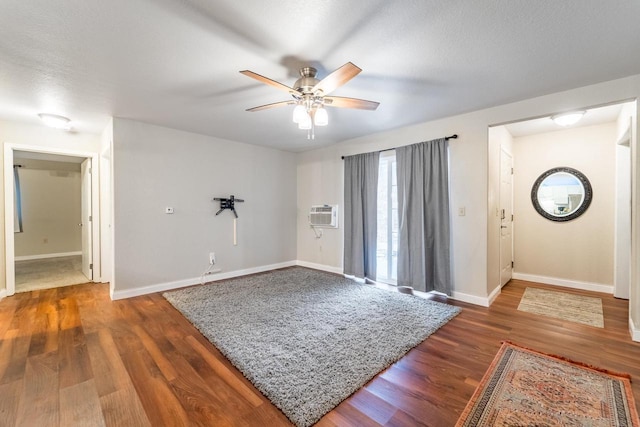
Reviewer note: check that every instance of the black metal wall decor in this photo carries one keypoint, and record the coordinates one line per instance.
(228, 203)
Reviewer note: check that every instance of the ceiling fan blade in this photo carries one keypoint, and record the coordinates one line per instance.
(274, 105)
(336, 79)
(268, 81)
(340, 102)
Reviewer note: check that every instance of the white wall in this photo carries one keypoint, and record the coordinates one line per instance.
(320, 180)
(579, 251)
(155, 167)
(41, 136)
(50, 208)
(320, 177)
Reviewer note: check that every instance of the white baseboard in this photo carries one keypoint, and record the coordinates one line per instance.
(574, 284)
(471, 299)
(44, 256)
(161, 287)
(3, 293)
(322, 267)
(494, 294)
(635, 332)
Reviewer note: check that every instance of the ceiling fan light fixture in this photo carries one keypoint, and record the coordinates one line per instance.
(568, 119)
(311, 95)
(298, 113)
(305, 122)
(55, 121)
(321, 118)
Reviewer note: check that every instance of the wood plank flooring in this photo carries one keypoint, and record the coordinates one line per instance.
(70, 356)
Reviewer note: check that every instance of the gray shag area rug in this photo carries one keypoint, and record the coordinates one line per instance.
(305, 338)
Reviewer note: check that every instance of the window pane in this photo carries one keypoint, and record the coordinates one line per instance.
(394, 220)
(394, 268)
(381, 268)
(387, 227)
(394, 178)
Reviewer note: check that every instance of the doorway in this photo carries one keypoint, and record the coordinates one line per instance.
(53, 199)
(79, 261)
(591, 252)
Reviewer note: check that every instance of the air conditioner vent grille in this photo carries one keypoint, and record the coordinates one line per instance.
(324, 216)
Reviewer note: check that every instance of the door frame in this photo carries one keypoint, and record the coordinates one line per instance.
(9, 241)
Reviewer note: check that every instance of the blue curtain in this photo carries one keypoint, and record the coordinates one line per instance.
(17, 201)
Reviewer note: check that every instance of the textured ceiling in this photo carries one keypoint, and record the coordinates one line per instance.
(175, 63)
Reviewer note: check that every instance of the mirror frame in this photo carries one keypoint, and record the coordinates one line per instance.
(588, 194)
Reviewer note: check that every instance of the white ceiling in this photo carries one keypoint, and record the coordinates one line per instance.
(592, 116)
(175, 63)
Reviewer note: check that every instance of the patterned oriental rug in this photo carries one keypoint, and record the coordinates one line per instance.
(564, 306)
(525, 388)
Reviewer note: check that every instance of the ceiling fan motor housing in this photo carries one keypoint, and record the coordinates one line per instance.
(311, 93)
(307, 80)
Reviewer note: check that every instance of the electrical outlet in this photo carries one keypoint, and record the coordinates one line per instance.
(212, 258)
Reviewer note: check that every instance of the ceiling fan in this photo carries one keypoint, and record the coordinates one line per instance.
(310, 96)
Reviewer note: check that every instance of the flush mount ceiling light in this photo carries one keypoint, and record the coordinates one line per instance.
(55, 121)
(310, 96)
(568, 119)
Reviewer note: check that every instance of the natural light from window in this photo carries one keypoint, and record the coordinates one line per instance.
(387, 240)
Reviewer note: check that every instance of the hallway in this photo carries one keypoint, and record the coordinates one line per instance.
(36, 274)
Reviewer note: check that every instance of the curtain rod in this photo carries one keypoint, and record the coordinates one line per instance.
(454, 136)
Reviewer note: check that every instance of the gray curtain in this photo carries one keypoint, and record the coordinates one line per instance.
(423, 212)
(360, 214)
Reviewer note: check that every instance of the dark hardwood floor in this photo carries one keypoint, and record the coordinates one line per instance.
(70, 356)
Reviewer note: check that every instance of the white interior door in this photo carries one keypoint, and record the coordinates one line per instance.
(506, 217)
(87, 223)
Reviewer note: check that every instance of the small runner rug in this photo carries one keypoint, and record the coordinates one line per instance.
(563, 305)
(525, 388)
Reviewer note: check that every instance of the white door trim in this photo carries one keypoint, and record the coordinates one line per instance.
(9, 241)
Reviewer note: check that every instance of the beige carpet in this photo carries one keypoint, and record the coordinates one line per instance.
(562, 305)
(32, 275)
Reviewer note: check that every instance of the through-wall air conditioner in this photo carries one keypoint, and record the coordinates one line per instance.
(324, 216)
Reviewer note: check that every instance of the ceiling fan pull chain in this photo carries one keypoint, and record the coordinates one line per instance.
(311, 133)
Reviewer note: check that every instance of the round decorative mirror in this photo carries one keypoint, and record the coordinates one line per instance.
(561, 194)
